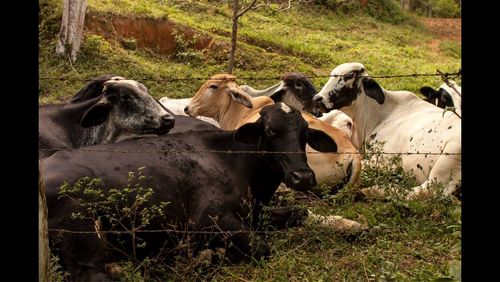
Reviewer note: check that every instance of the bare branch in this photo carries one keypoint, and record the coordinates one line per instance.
(244, 10)
(268, 5)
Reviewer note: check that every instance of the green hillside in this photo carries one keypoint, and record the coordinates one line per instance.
(306, 38)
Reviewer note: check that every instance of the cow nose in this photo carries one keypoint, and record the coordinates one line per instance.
(317, 99)
(186, 110)
(302, 179)
(168, 121)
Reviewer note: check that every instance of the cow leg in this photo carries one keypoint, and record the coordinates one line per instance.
(84, 257)
(446, 170)
(286, 217)
(244, 245)
(336, 223)
(373, 192)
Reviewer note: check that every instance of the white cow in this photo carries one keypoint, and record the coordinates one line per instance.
(400, 120)
(176, 106)
(339, 120)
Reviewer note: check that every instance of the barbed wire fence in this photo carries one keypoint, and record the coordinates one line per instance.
(445, 76)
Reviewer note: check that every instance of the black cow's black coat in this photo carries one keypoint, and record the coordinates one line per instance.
(202, 186)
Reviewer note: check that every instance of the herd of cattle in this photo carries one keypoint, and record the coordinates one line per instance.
(220, 156)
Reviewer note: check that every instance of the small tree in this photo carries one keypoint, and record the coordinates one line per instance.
(239, 11)
(71, 33)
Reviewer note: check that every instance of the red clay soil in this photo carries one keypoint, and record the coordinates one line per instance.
(446, 29)
(155, 34)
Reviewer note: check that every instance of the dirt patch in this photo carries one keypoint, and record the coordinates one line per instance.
(155, 34)
(446, 29)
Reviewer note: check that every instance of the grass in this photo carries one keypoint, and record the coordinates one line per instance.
(305, 38)
(414, 241)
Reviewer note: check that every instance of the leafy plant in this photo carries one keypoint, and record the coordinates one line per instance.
(116, 209)
(387, 11)
(56, 272)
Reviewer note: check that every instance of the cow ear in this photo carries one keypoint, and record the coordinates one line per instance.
(248, 133)
(428, 92)
(373, 90)
(241, 97)
(278, 92)
(97, 114)
(320, 141)
(277, 95)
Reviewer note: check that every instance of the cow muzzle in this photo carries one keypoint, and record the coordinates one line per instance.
(301, 180)
(319, 103)
(167, 122)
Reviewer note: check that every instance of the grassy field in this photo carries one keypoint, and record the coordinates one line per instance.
(406, 241)
(308, 39)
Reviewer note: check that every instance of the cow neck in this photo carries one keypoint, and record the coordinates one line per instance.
(259, 169)
(229, 117)
(235, 113)
(368, 115)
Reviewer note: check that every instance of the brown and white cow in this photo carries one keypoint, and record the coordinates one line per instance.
(223, 100)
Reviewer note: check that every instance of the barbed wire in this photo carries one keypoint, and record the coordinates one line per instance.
(230, 232)
(246, 152)
(172, 79)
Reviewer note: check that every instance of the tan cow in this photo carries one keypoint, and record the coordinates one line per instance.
(223, 100)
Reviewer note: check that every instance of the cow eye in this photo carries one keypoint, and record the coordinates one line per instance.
(299, 86)
(270, 133)
(126, 98)
(348, 76)
(213, 86)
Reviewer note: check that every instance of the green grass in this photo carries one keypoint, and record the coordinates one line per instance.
(406, 242)
(305, 38)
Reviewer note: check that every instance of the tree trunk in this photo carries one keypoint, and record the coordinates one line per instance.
(71, 33)
(43, 235)
(234, 32)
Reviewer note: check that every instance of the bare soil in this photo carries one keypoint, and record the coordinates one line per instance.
(155, 34)
(446, 29)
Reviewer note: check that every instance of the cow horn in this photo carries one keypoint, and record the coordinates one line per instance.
(265, 92)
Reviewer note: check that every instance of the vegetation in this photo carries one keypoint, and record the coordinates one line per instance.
(306, 38)
(413, 240)
(417, 241)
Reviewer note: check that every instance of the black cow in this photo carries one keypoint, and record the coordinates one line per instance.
(123, 110)
(294, 89)
(203, 186)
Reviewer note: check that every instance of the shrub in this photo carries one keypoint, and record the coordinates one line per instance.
(342, 6)
(387, 11)
(445, 8)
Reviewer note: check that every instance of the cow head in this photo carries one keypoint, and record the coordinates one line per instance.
(93, 88)
(347, 83)
(295, 90)
(444, 96)
(439, 98)
(282, 130)
(129, 107)
(215, 94)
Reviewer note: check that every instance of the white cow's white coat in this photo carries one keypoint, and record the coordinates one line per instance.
(339, 120)
(177, 106)
(404, 123)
